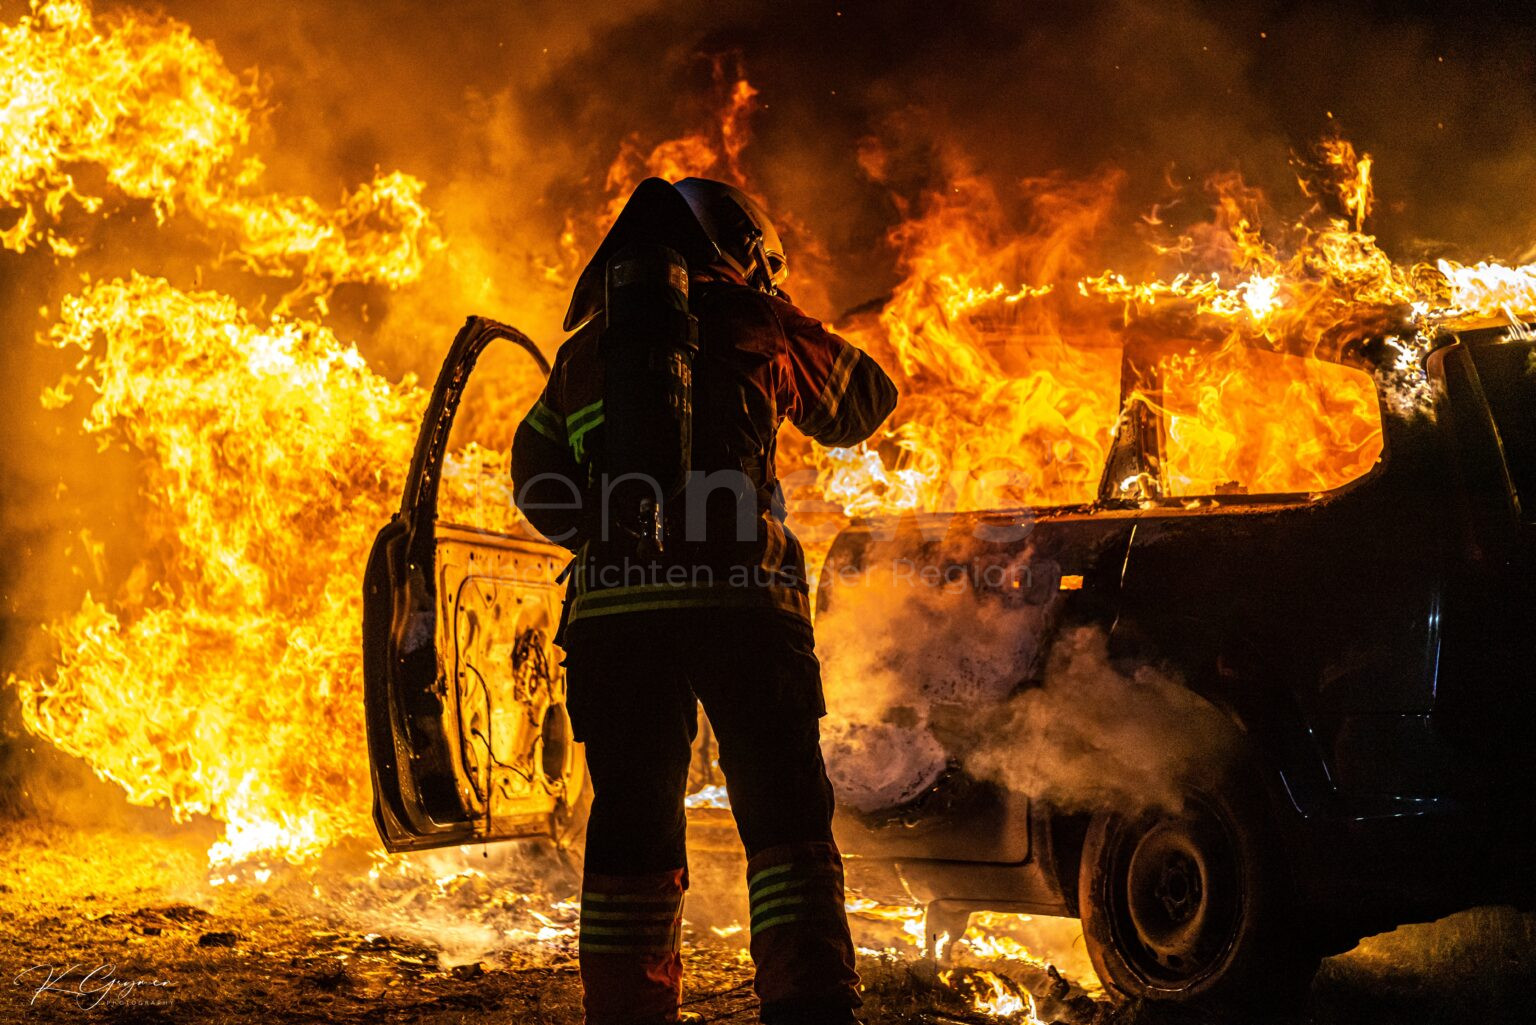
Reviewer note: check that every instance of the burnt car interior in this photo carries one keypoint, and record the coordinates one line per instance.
(1167, 417)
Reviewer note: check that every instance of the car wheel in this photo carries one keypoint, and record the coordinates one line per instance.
(1193, 907)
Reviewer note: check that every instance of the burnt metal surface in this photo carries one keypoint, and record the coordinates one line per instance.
(498, 608)
(464, 694)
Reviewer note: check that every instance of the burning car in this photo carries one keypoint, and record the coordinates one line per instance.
(1338, 698)
(1337, 702)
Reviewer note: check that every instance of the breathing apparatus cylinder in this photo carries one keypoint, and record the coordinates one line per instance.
(647, 347)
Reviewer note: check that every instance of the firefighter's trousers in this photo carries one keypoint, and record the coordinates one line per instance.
(635, 681)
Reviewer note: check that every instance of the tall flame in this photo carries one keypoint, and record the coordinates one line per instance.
(1003, 404)
(222, 677)
(1009, 355)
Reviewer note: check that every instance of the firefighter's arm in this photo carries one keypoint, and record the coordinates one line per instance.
(546, 480)
(840, 394)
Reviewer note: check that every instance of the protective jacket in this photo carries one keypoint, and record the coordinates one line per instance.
(761, 361)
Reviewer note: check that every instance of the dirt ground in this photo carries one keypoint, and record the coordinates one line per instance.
(122, 925)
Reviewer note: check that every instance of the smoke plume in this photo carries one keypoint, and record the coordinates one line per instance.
(924, 678)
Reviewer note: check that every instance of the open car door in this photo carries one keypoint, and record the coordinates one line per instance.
(468, 737)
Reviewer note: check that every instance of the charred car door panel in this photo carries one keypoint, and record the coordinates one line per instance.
(1304, 617)
(499, 605)
(464, 694)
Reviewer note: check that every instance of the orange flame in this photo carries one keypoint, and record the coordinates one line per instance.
(235, 641)
(162, 118)
(1008, 355)
(268, 451)
(993, 995)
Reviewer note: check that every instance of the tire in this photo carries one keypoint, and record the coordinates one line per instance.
(1194, 908)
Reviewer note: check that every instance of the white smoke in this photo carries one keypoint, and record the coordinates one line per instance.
(923, 677)
(1094, 735)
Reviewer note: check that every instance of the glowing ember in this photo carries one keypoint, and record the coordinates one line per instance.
(908, 919)
(712, 796)
(991, 994)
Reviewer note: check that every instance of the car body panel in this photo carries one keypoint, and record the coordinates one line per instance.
(464, 693)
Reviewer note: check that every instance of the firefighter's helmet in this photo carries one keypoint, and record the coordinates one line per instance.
(740, 228)
(704, 220)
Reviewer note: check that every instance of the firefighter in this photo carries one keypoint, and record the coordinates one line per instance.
(698, 596)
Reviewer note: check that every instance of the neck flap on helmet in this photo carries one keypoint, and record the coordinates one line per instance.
(703, 220)
(655, 213)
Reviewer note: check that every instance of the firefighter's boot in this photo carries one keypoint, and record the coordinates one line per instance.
(631, 932)
(800, 939)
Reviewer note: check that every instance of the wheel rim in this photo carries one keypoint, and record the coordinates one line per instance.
(1175, 895)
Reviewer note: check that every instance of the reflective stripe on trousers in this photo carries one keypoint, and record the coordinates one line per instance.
(800, 939)
(629, 947)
